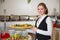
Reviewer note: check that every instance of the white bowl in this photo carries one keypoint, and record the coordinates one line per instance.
(11, 32)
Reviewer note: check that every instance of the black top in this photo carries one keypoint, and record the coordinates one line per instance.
(42, 26)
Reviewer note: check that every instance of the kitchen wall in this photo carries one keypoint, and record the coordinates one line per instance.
(21, 7)
(0, 6)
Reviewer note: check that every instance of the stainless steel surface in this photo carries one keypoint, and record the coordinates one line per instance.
(58, 22)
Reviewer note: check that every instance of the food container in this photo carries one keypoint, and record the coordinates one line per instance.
(24, 33)
(11, 32)
(19, 32)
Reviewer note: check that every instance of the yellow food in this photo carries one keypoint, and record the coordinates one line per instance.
(22, 26)
(18, 37)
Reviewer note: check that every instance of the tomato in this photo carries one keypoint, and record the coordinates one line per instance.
(5, 35)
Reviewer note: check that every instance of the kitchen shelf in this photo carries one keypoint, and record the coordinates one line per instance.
(17, 18)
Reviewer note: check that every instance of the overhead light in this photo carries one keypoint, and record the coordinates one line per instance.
(29, 1)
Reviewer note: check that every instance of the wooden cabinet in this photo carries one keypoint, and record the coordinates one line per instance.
(55, 34)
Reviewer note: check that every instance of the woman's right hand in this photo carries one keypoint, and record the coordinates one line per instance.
(34, 29)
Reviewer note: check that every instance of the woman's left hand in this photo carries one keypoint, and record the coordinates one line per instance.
(34, 29)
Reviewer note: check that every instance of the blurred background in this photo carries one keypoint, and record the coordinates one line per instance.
(25, 12)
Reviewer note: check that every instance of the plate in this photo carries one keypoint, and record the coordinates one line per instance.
(22, 26)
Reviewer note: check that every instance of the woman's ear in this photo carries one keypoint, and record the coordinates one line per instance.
(45, 10)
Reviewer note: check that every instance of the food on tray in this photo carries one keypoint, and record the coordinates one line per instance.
(17, 37)
(22, 26)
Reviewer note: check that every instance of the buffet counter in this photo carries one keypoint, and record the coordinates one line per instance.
(31, 33)
(55, 36)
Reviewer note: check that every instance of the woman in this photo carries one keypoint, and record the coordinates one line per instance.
(43, 25)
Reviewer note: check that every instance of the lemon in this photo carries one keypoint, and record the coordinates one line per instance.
(16, 35)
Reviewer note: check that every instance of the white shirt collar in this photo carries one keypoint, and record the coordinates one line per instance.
(40, 19)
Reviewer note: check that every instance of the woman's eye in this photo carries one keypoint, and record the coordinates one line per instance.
(38, 9)
(41, 9)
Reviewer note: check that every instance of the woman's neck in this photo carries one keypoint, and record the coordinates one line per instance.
(42, 15)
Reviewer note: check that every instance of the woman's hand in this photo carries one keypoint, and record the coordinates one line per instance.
(34, 29)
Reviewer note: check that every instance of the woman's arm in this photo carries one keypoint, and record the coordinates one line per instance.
(49, 28)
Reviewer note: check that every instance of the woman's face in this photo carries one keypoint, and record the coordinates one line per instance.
(41, 10)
